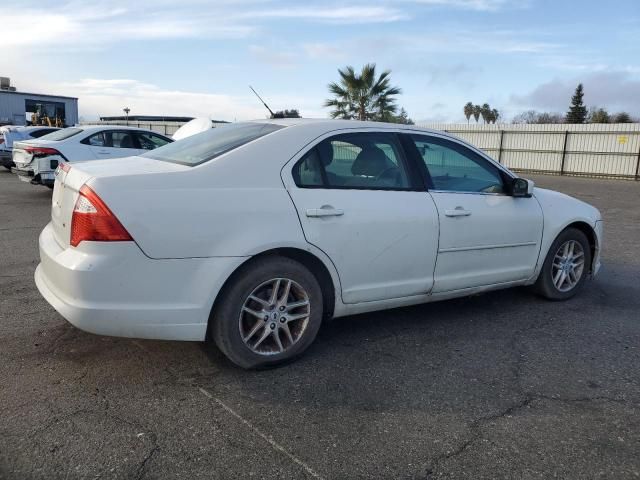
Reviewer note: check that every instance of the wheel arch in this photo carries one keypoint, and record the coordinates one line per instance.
(590, 233)
(328, 282)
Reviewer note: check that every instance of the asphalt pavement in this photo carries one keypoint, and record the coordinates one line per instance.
(499, 385)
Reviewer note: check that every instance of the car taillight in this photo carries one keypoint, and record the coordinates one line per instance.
(65, 167)
(92, 220)
(41, 151)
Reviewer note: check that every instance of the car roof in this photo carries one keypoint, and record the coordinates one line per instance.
(336, 124)
(92, 128)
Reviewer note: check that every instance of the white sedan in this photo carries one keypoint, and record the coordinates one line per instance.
(36, 160)
(250, 234)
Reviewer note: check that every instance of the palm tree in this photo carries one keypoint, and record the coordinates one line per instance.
(362, 96)
(485, 111)
(495, 115)
(477, 110)
(468, 110)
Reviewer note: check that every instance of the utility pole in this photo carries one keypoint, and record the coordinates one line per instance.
(126, 111)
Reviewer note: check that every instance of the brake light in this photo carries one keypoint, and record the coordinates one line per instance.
(92, 220)
(65, 167)
(41, 151)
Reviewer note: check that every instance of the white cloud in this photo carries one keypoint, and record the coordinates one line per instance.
(83, 24)
(109, 96)
(323, 51)
(615, 90)
(343, 15)
(92, 24)
(479, 5)
(275, 57)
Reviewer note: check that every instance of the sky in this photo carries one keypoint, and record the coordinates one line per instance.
(197, 57)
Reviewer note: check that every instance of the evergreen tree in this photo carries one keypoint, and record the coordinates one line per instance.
(599, 115)
(577, 111)
(622, 117)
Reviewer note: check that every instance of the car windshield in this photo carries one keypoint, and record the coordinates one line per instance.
(207, 145)
(61, 134)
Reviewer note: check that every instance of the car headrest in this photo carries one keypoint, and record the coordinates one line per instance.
(126, 142)
(370, 162)
(326, 152)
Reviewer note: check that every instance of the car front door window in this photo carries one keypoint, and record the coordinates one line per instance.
(455, 168)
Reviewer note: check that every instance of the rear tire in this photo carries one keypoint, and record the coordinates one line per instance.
(255, 327)
(566, 267)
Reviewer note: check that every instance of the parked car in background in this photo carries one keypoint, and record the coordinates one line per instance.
(197, 125)
(36, 160)
(252, 233)
(9, 134)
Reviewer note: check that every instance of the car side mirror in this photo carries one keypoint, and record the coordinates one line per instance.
(521, 187)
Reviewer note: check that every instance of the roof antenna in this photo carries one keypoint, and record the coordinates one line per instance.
(265, 105)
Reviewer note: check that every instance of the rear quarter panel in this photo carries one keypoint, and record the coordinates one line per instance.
(234, 205)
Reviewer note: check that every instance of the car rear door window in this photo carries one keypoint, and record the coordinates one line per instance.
(208, 145)
(62, 134)
(372, 161)
(456, 168)
(151, 141)
(122, 139)
(95, 140)
(44, 131)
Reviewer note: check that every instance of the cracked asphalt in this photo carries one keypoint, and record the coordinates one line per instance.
(500, 385)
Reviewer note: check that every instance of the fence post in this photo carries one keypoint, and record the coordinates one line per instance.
(638, 166)
(564, 151)
(500, 147)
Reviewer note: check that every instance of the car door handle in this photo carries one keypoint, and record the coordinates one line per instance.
(104, 152)
(457, 212)
(324, 211)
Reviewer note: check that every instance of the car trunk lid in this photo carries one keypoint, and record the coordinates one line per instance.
(22, 156)
(69, 179)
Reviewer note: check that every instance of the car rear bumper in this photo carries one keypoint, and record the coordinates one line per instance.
(112, 288)
(27, 174)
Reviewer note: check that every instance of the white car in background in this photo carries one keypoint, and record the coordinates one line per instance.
(10, 134)
(36, 160)
(252, 233)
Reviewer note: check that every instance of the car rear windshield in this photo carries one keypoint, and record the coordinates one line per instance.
(61, 134)
(207, 145)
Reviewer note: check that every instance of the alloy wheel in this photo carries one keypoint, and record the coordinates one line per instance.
(274, 316)
(568, 266)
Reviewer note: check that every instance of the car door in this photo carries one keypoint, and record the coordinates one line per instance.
(487, 236)
(361, 202)
(123, 143)
(97, 145)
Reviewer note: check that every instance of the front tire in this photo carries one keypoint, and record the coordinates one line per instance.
(269, 313)
(566, 267)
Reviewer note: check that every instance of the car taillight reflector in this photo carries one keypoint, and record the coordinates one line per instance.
(41, 151)
(93, 221)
